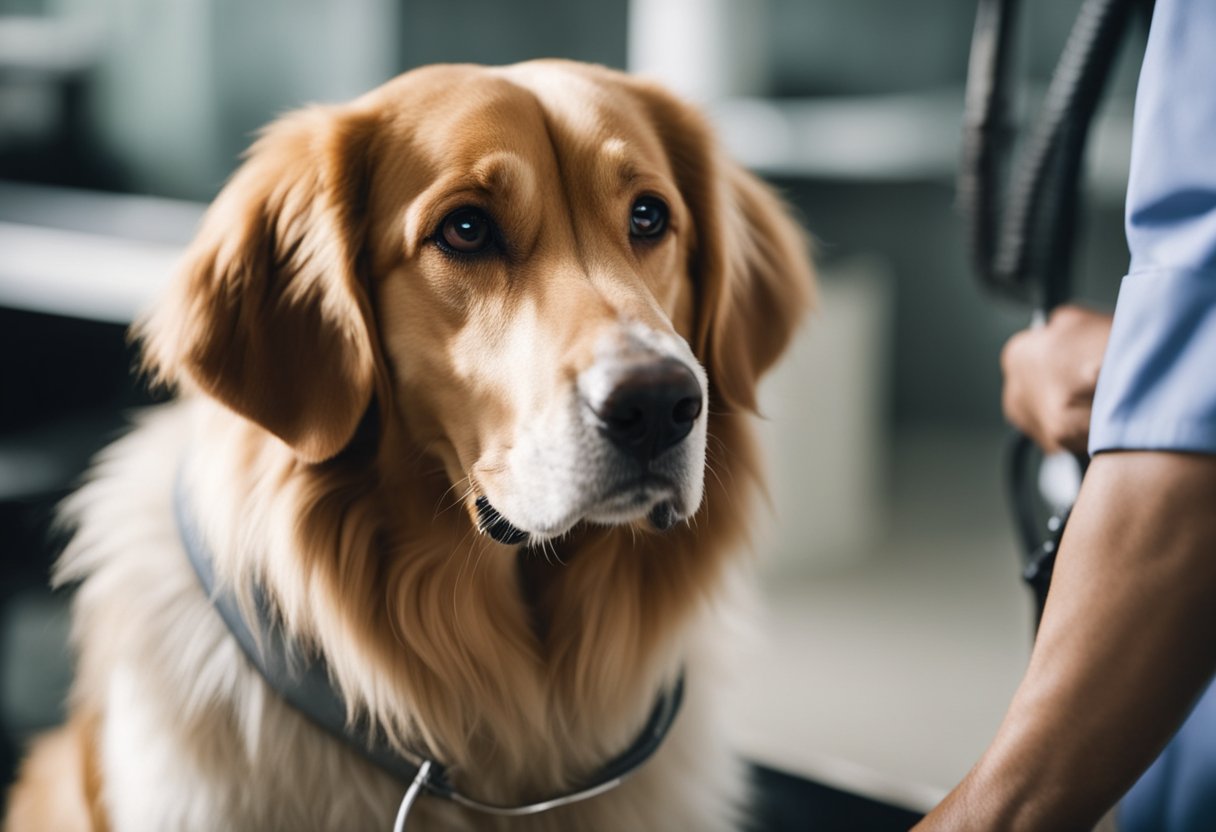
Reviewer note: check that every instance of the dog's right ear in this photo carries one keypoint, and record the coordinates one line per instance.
(270, 313)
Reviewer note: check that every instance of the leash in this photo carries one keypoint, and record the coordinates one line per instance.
(304, 682)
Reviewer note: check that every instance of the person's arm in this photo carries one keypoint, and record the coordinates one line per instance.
(1127, 643)
(1128, 636)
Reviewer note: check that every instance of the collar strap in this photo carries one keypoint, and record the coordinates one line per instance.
(305, 683)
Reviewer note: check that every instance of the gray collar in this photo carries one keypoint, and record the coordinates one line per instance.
(304, 682)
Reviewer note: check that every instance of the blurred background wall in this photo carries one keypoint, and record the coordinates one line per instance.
(160, 97)
(119, 119)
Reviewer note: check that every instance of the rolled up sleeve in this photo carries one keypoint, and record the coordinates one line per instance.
(1157, 387)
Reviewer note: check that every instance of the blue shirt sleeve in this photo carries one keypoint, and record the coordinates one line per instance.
(1157, 387)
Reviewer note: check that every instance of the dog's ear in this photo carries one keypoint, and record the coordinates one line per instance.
(269, 313)
(750, 259)
(758, 286)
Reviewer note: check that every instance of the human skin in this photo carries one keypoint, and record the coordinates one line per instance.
(1050, 374)
(1128, 640)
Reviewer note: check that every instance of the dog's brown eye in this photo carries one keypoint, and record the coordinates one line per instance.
(466, 230)
(648, 217)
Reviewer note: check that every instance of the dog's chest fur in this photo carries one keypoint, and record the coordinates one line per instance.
(192, 739)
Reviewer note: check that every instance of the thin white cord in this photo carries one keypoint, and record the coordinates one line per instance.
(411, 794)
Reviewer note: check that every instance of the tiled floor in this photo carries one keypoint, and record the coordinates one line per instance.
(890, 676)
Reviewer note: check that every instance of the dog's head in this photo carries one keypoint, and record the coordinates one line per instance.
(546, 275)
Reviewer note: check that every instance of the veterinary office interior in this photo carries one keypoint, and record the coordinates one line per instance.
(891, 625)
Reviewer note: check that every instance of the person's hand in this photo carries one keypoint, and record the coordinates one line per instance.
(1050, 373)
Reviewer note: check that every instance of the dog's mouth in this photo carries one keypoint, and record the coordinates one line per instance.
(653, 498)
(493, 525)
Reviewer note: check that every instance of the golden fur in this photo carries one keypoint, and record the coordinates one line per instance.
(348, 391)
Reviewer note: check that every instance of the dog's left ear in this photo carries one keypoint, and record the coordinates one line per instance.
(270, 314)
(759, 291)
(750, 259)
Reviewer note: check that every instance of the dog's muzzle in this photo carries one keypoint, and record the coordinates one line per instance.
(630, 447)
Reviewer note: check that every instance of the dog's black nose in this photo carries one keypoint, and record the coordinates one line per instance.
(650, 408)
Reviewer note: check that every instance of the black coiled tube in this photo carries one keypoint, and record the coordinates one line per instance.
(1023, 248)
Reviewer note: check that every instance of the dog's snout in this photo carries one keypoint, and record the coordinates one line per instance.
(650, 408)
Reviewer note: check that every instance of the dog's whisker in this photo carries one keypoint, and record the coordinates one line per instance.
(469, 543)
(457, 502)
(482, 546)
(712, 461)
(468, 555)
(557, 558)
(440, 508)
(711, 468)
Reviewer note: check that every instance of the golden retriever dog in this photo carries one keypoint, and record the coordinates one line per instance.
(466, 369)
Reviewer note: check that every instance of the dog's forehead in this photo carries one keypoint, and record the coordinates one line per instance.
(595, 110)
(571, 100)
(459, 115)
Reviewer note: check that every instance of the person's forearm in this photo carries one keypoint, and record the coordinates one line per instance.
(1127, 642)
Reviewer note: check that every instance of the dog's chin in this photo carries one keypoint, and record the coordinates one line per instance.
(657, 504)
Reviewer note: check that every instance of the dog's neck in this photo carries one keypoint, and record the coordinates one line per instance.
(539, 571)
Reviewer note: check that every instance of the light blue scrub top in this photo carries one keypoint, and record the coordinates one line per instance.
(1157, 387)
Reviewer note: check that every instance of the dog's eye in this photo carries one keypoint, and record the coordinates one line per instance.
(648, 217)
(465, 231)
